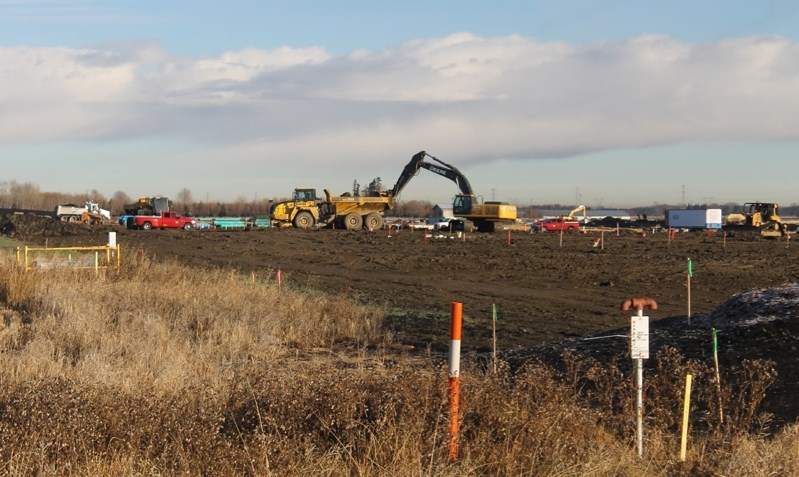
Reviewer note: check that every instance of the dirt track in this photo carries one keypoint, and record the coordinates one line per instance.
(544, 292)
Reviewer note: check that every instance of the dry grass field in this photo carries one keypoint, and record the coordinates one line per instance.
(165, 369)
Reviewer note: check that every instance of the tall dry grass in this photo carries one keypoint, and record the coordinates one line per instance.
(163, 370)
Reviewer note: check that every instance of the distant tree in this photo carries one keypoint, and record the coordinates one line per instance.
(25, 196)
(185, 196)
(121, 197)
(356, 188)
(185, 200)
(374, 188)
(118, 201)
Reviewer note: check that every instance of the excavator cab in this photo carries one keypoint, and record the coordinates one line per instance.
(462, 205)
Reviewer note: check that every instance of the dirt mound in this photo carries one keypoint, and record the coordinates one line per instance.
(757, 306)
(31, 226)
(758, 324)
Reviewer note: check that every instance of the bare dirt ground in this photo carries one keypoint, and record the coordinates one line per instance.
(545, 292)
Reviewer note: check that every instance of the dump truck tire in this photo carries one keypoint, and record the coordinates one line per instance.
(353, 221)
(373, 221)
(303, 220)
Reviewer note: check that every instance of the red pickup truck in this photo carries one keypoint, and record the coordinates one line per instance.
(557, 224)
(167, 220)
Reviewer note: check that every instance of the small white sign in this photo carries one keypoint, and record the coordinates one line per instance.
(639, 337)
(112, 239)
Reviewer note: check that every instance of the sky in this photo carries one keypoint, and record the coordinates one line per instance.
(613, 103)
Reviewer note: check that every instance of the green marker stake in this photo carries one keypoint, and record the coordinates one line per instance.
(690, 268)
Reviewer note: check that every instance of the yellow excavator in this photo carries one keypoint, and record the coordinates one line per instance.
(579, 208)
(760, 217)
(471, 213)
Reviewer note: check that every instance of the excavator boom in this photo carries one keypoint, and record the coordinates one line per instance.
(579, 208)
(447, 170)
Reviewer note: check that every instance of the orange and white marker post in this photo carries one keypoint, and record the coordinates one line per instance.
(454, 376)
(279, 280)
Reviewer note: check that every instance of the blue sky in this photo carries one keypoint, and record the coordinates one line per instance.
(617, 103)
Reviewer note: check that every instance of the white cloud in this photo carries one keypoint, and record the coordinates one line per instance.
(461, 96)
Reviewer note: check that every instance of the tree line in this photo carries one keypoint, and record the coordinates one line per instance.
(26, 195)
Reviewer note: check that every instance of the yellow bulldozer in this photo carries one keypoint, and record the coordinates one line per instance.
(759, 217)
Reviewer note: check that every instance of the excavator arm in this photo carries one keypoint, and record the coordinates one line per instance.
(447, 170)
(579, 208)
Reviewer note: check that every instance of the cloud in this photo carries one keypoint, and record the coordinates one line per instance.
(463, 96)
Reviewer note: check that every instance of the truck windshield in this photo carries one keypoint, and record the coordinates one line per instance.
(304, 194)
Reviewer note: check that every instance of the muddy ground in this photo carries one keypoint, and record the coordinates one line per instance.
(546, 291)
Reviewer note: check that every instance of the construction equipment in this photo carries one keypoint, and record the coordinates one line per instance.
(305, 210)
(149, 206)
(760, 217)
(353, 212)
(579, 208)
(563, 223)
(484, 216)
(91, 213)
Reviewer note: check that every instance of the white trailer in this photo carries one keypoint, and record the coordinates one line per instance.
(693, 218)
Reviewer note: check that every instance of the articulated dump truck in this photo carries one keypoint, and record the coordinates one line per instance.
(305, 210)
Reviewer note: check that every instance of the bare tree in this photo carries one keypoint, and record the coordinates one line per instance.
(185, 199)
(185, 196)
(117, 203)
(374, 188)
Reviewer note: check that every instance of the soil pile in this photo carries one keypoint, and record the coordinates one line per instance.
(31, 227)
(760, 324)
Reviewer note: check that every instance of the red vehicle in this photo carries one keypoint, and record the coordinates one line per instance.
(566, 223)
(167, 220)
(559, 223)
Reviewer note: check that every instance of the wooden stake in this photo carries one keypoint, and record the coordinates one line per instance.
(718, 375)
(494, 335)
(689, 275)
(686, 409)
(689, 298)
